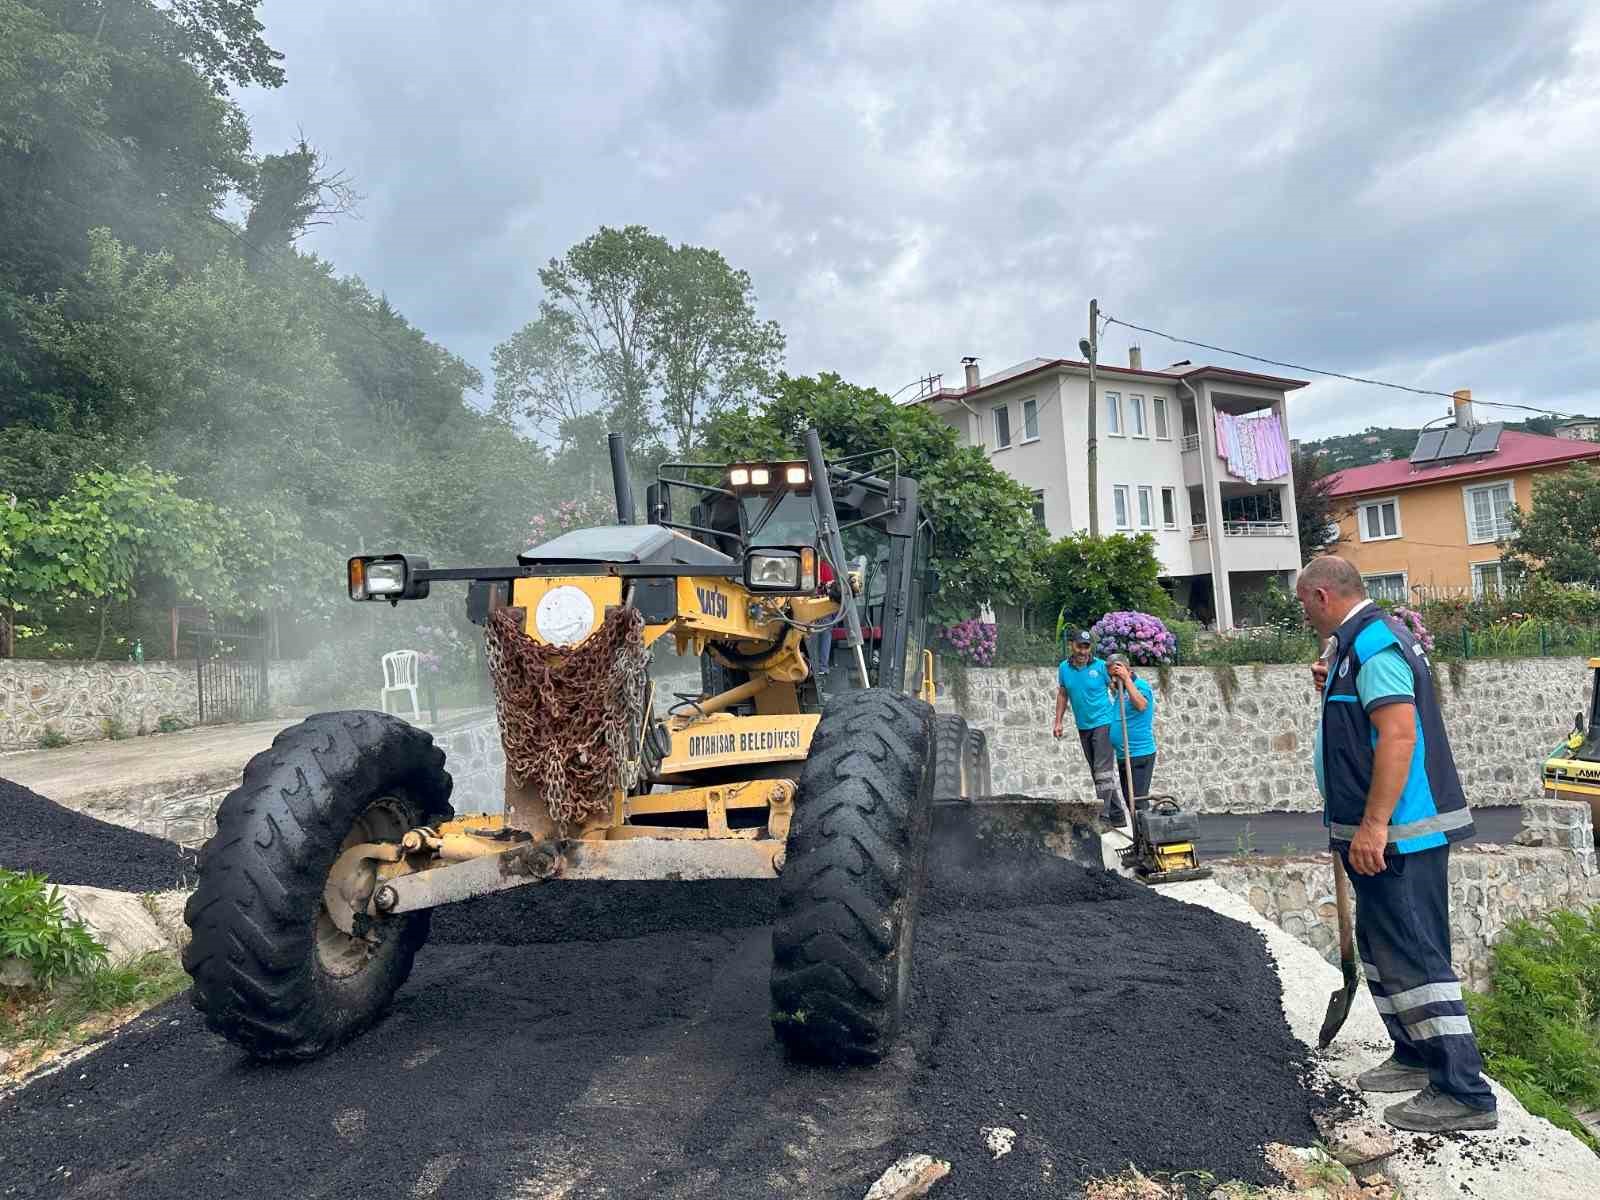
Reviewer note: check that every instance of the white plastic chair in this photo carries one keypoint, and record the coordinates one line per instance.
(400, 675)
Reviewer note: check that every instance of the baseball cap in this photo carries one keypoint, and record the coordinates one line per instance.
(1082, 638)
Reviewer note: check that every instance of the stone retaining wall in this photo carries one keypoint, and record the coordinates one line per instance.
(76, 698)
(1490, 886)
(1240, 739)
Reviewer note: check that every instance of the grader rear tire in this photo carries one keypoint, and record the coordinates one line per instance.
(852, 882)
(950, 775)
(271, 971)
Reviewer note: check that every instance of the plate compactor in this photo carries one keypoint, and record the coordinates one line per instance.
(810, 755)
(1164, 837)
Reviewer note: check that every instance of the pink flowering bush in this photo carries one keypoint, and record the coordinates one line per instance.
(440, 649)
(1143, 638)
(973, 641)
(1413, 621)
(587, 513)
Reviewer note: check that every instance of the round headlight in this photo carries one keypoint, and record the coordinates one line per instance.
(565, 616)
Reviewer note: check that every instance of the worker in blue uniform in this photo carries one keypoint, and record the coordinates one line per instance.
(1084, 685)
(1393, 805)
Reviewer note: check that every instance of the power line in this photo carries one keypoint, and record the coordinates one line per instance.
(1400, 387)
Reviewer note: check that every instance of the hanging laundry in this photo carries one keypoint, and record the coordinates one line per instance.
(1254, 447)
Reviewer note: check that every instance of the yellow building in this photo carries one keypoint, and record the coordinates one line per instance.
(1432, 526)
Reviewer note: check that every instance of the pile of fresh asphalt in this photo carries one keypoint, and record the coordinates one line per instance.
(68, 847)
(586, 1039)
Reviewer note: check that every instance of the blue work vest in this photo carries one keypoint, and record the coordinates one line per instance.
(1433, 808)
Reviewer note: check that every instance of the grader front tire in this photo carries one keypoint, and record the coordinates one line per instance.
(271, 971)
(852, 881)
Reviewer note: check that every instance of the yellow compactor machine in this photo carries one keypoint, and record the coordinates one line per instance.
(1572, 770)
(810, 755)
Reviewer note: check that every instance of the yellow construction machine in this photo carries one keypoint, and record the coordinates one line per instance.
(1572, 770)
(810, 755)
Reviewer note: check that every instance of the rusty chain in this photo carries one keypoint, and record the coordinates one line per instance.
(567, 713)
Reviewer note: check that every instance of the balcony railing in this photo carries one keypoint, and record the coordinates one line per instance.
(1256, 529)
(1191, 441)
(1243, 529)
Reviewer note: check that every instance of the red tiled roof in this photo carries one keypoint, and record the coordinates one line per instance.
(1516, 452)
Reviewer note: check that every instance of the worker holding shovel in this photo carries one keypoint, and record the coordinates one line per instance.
(1133, 736)
(1393, 804)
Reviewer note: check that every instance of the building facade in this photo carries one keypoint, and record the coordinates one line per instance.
(1222, 513)
(1437, 528)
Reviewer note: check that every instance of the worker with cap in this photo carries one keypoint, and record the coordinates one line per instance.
(1085, 685)
(1138, 704)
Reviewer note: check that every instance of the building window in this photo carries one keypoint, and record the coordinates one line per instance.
(1114, 414)
(1002, 426)
(1489, 511)
(1136, 416)
(1391, 587)
(1379, 520)
(1119, 501)
(1030, 420)
(1158, 410)
(1038, 507)
(1488, 580)
(1147, 507)
(1169, 507)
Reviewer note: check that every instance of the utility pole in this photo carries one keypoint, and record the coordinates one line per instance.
(1090, 346)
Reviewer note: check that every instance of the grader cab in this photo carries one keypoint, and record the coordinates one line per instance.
(809, 755)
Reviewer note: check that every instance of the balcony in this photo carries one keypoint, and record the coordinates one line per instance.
(1256, 529)
(1191, 441)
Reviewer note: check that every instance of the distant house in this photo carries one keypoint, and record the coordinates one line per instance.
(1223, 525)
(1434, 525)
(1579, 429)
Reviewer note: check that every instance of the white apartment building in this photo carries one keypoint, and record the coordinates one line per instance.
(1221, 524)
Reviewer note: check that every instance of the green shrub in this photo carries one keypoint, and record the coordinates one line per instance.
(168, 723)
(1538, 1027)
(52, 738)
(34, 928)
(114, 729)
(1087, 577)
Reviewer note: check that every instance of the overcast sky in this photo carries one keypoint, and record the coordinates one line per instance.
(1402, 190)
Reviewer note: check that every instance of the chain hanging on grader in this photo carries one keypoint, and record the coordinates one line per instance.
(820, 771)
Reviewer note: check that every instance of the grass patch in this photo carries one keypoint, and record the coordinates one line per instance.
(76, 1007)
(52, 738)
(167, 723)
(1539, 1028)
(114, 729)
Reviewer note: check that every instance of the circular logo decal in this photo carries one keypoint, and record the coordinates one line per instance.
(564, 616)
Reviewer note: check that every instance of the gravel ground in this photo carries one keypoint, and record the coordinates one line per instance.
(613, 1040)
(39, 835)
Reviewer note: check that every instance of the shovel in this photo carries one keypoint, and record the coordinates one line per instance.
(1339, 1002)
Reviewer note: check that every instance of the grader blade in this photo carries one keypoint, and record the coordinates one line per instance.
(1065, 829)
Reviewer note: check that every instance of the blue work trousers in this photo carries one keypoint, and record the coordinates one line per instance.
(1403, 932)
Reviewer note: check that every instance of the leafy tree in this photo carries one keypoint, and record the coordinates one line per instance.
(1317, 511)
(642, 334)
(1086, 577)
(1559, 537)
(987, 544)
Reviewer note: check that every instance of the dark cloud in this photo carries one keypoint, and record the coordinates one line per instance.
(1407, 191)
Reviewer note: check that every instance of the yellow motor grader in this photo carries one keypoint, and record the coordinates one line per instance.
(810, 755)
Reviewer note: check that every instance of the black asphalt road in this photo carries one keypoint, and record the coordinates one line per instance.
(1102, 1022)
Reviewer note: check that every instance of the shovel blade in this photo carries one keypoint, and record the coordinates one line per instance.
(1068, 830)
(1338, 1008)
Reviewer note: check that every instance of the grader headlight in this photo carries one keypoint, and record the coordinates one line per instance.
(390, 577)
(781, 569)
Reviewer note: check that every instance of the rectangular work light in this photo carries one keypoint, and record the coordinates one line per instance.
(781, 569)
(390, 577)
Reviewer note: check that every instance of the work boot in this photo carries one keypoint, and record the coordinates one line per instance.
(1391, 1075)
(1116, 816)
(1432, 1111)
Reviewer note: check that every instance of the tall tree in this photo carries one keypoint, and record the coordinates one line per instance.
(1317, 512)
(1559, 537)
(987, 545)
(291, 193)
(645, 335)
